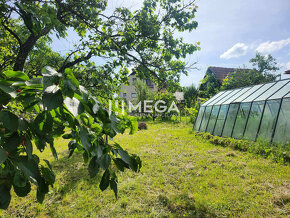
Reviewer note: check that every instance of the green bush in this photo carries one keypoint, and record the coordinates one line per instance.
(278, 153)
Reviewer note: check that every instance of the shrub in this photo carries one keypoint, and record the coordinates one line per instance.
(277, 153)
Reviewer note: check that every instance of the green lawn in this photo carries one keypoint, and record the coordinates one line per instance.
(181, 176)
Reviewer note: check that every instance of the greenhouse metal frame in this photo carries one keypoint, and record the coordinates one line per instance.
(255, 112)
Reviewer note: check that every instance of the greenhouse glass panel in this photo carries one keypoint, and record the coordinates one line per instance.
(254, 120)
(213, 98)
(241, 120)
(198, 119)
(225, 95)
(269, 120)
(287, 96)
(229, 96)
(272, 90)
(205, 118)
(238, 94)
(220, 120)
(281, 93)
(260, 91)
(230, 120)
(282, 129)
(247, 94)
(213, 118)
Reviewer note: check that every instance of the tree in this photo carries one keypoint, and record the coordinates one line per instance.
(57, 102)
(48, 104)
(209, 85)
(143, 93)
(190, 95)
(143, 38)
(267, 65)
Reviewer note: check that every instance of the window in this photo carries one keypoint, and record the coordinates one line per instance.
(205, 119)
(254, 120)
(230, 120)
(213, 118)
(221, 120)
(134, 95)
(199, 118)
(124, 95)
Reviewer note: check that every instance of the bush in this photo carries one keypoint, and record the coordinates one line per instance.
(277, 153)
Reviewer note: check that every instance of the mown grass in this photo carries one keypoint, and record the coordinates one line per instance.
(182, 175)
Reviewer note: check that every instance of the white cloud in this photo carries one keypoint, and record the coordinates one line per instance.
(268, 47)
(236, 51)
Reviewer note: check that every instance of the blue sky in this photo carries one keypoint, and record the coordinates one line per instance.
(230, 33)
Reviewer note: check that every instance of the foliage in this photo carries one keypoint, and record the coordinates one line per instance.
(144, 38)
(209, 85)
(56, 102)
(192, 112)
(190, 95)
(166, 99)
(242, 78)
(143, 93)
(278, 153)
(265, 64)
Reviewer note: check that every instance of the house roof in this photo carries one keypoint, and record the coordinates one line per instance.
(222, 72)
(287, 72)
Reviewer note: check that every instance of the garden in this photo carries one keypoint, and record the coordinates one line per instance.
(94, 120)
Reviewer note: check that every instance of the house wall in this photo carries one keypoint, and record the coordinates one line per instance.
(130, 89)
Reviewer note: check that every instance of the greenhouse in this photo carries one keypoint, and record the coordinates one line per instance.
(255, 112)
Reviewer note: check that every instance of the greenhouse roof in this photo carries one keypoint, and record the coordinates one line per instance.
(267, 91)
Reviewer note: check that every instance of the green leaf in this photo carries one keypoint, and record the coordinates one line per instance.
(74, 106)
(68, 88)
(52, 97)
(114, 187)
(72, 145)
(86, 156)
(71, 76)
(40, 196)
(49, 176)
(105, 181)
(3, 156)
(120, 164)
(8, 90)
(16, 75)
(29, 168)
(105, 161)
(5, 197)
(85, 140)
(53, 151)
(19, 179)
(124, 156)
(29, 148)
(23, 124)
(9, 120)
(93, 167)
(4, 98)
(22, 191)
(12, 142)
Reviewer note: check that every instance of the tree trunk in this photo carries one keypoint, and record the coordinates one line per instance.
(24, 52)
